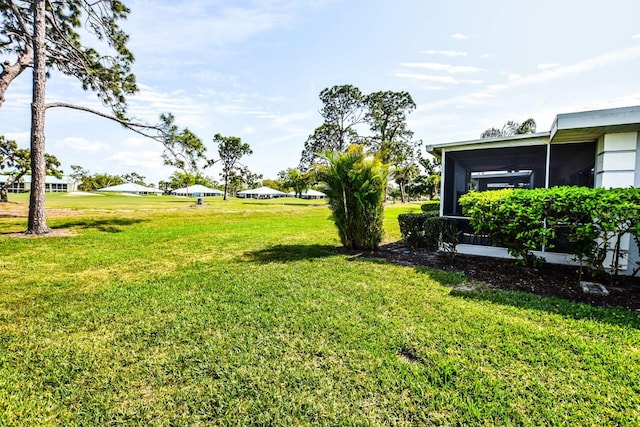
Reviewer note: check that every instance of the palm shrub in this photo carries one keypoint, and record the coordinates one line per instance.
(355, 186)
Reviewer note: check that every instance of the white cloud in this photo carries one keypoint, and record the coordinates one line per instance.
(545, 67)
(635, 36)
(22, 138)
(135, 159)
(453, 69)
(459, 36)
(448, 53)
(602, 60)
(437, 79)
(82, 144)
(427, 77)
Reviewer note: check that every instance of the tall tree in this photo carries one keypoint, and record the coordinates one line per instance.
(511, 128)
(342, 110)
(230, 149)
(387, 118)
(47, 35)
(17, 161)
(391, 137)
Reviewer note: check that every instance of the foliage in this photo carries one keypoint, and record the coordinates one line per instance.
(276, 184)
(511, 128)
(108, 75)
(387, 118)
(403, 176)
(431, 205)
(180, 179)
(182, 148)
(594, 221)
(345, 107)
(355, 187)
(417, 230)
(66, 35)
(513, 219)
(297, 180)
(91, 182)
(428, 230)
(134, 178)
(342, 110)
(230, 149)
(17, 161)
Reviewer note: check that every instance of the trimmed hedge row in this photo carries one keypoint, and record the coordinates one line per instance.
(429, 231)
(593, 220)
(430, 206)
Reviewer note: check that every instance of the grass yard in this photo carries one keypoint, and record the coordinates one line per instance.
(240, 313)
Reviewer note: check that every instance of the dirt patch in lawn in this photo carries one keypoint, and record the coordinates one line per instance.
(549, 280)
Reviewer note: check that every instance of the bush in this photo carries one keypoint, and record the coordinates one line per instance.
(431, 205)
(356, 185)
(429, 231)
(594, 221)
(513, 219)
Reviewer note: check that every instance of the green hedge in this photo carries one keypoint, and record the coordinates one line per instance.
(429, 231)
(592, 220)
(431, 205)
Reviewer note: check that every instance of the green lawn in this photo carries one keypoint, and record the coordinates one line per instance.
(156, 312)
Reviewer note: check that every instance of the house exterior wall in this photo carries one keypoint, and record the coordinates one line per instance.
(618, 166)
(616, 160)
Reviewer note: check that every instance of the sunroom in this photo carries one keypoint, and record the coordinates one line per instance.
(591, 149)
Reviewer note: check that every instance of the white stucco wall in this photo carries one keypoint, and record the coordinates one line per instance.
(616, 160)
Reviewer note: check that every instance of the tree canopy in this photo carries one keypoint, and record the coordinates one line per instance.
(511, 128)
(65, 35)
(346, 110)
(342, 110)
(230, 149)
(17, 162)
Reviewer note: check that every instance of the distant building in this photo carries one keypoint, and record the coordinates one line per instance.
(51, 185)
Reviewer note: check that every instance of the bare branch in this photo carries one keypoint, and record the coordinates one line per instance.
(138, 128)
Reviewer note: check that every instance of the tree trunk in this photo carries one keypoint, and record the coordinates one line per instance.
(37, 219)
(226, 187)
(3, 195)
(403, 195)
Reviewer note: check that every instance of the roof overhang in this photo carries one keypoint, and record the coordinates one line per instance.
(571, 127)
(591, 125)
(539, 138)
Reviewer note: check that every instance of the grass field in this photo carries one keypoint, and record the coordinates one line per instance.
(155, 312)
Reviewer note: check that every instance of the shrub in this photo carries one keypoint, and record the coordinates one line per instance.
(594, 221)
(431, 205)
(429, 232)
(513, 219)
(356, 186)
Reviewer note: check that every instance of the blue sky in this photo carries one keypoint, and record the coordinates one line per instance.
(254, 69)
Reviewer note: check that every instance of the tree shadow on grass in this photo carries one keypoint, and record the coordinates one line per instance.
(112, 225)
(290, 253)
(573, 310)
